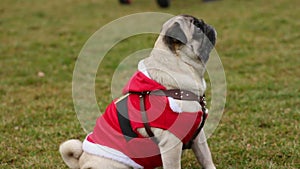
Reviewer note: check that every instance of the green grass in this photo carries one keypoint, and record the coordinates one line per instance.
(258, 42)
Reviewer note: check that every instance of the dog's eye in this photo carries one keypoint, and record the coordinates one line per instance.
(199, 24)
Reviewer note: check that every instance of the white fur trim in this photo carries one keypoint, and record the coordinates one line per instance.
(108, 152)
(142, 68)
(180, 106)
(174, 106)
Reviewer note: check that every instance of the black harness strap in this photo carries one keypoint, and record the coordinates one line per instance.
(122, 111)
(202, 102)
(177, 94)
(145, 119)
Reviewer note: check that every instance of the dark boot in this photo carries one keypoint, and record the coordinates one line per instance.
(125, 1)
(163, 3)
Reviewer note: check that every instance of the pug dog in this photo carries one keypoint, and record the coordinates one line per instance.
(160, 111)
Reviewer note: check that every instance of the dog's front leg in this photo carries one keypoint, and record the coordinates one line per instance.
(170, 147)
(202, 152)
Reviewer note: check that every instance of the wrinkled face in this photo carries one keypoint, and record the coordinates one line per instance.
(185, 31)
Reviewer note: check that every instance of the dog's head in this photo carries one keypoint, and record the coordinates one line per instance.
(189, 35)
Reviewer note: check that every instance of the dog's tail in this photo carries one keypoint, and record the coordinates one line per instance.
(71, 151)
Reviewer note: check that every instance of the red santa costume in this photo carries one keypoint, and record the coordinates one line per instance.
(115, 134)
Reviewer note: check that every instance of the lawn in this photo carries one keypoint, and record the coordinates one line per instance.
(258, 43)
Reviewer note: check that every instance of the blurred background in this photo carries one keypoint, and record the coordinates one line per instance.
(258, 43)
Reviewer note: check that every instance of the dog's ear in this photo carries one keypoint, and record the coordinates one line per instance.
(174, 36)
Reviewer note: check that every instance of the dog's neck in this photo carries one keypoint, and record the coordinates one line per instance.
(175, 70)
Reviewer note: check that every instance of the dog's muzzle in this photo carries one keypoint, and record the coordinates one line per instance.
(211, 34)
